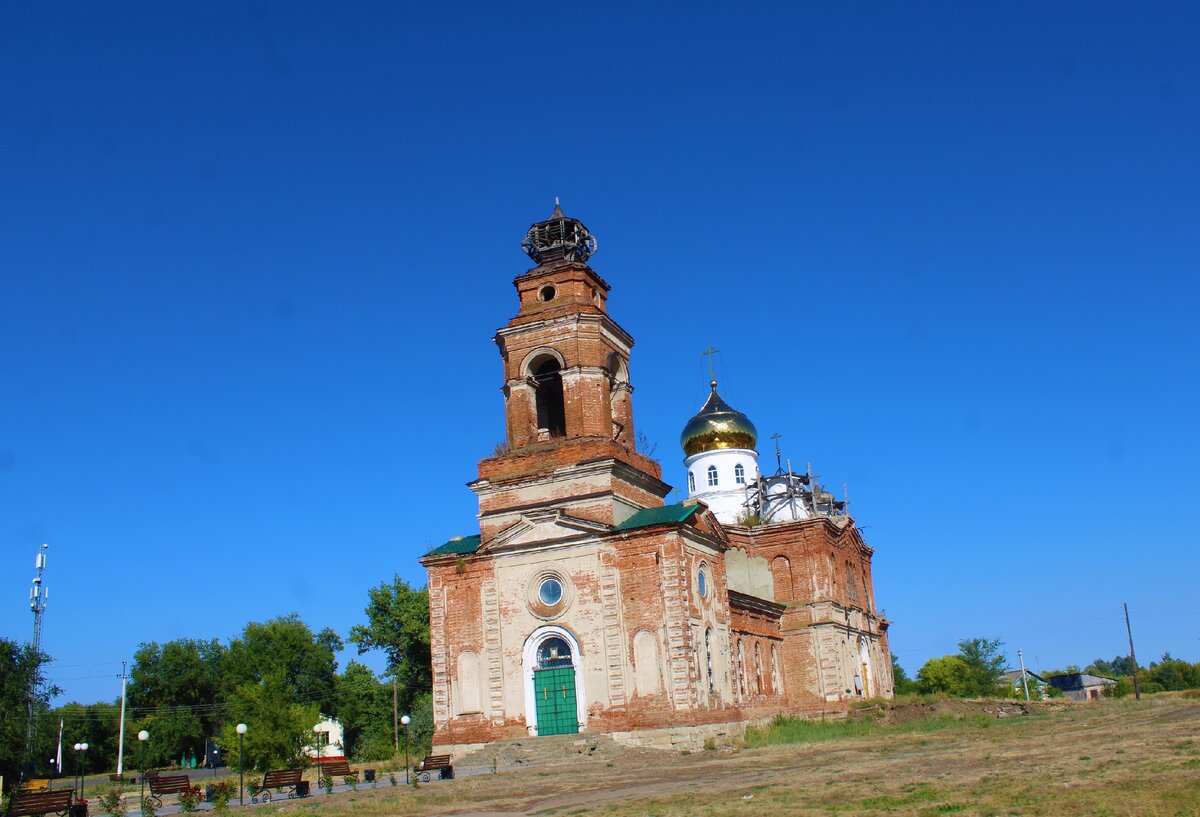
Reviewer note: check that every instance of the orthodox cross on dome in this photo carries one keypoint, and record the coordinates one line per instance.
(712, 374)
(778, 455)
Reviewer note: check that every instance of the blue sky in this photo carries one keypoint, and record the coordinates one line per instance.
(252, 257)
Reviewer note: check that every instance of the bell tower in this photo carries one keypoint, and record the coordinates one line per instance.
(567, 397)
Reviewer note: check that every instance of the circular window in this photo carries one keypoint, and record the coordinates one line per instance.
(550, 592)
(702, 582)
(546, 293)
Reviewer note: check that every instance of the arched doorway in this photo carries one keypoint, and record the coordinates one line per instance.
(864, 663)
(554, 701)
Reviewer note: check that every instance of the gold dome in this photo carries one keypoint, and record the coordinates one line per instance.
(717, 425)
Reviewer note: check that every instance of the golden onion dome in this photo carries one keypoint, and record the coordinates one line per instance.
(717, 425)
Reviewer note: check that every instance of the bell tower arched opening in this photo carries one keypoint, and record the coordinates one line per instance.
(551, 408)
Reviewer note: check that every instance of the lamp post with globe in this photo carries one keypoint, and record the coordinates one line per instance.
(406, 721)
(143, 736)
(81, 764)
(241, 732)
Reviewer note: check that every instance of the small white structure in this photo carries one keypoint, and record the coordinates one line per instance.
(329, 741)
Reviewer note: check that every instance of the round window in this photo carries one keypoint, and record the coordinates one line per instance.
(702, 582)
(547, 293)
(550, 592)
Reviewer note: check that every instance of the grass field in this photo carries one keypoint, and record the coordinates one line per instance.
(1109, 759)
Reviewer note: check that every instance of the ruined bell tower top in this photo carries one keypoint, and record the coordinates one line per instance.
(559, 238)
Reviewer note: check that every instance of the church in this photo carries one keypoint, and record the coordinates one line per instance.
(584, 604)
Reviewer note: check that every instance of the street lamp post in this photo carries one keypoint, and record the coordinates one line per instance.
(406, 721)
(80, 765)
(78, 747)
(143, 736)
(317, 730)
(241, 730)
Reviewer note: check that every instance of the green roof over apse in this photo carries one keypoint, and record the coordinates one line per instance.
(659, 516)
(458, 546)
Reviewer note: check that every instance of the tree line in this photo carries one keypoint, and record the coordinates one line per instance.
(279, 677)
(978, 668)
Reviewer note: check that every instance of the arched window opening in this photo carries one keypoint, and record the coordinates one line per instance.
(739, 474)
(691, 483)
(554, 652)
(712, 476)
(741, 669)
(781, 574)
(776, 677)
(708, 658)
(551, 411)
(758, 669)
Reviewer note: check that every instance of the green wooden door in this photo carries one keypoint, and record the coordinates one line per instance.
(556, 710)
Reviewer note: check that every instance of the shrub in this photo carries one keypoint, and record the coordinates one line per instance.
(222, 793)
(147, 807)
(189, 800)
(111, 800)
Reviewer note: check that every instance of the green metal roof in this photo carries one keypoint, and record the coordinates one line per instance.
(459, 545)
(659, 516)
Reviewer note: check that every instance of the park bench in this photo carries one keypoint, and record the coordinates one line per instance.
(439, 763)
(31, 803)
(163, 784)
(36, 784)
(332, 769)
(279, 780)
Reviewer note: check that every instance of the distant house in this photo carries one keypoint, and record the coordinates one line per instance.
(1036, 682)
(329, 742)
(1080, 686)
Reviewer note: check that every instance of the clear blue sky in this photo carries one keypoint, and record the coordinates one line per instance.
(252, 258)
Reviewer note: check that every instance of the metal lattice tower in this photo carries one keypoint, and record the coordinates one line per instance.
(38, 594)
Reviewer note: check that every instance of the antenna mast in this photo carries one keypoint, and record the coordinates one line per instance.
(37, 605)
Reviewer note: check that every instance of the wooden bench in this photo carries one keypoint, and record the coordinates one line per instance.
(279, 780)
(36, 784)
(331, 769)
(439, 763)
(31, 803)
(162, 784)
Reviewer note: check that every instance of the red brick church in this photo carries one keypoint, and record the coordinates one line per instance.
(584, 604)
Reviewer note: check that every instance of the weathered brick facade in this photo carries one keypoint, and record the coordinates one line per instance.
(576, 551)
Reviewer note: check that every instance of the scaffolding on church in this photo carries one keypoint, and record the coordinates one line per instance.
(786, 495)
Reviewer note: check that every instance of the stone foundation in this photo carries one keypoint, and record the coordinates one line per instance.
(687, 738)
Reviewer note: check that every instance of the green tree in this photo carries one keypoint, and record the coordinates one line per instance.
(285, 653)
(20, 669)
(97, 725)
(948, 675)
(1173, 674)
(398, 624)
(985, 665)
(175, 690)
(1120, 666)
(903, 685)
(278, 726)
(364, 707)
(279, 677)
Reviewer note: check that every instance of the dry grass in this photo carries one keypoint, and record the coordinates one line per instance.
(1112, 759)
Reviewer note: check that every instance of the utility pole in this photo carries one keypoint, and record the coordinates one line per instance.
(121, 736)
(1137, 693)
(1024, 680)
(395, 717)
